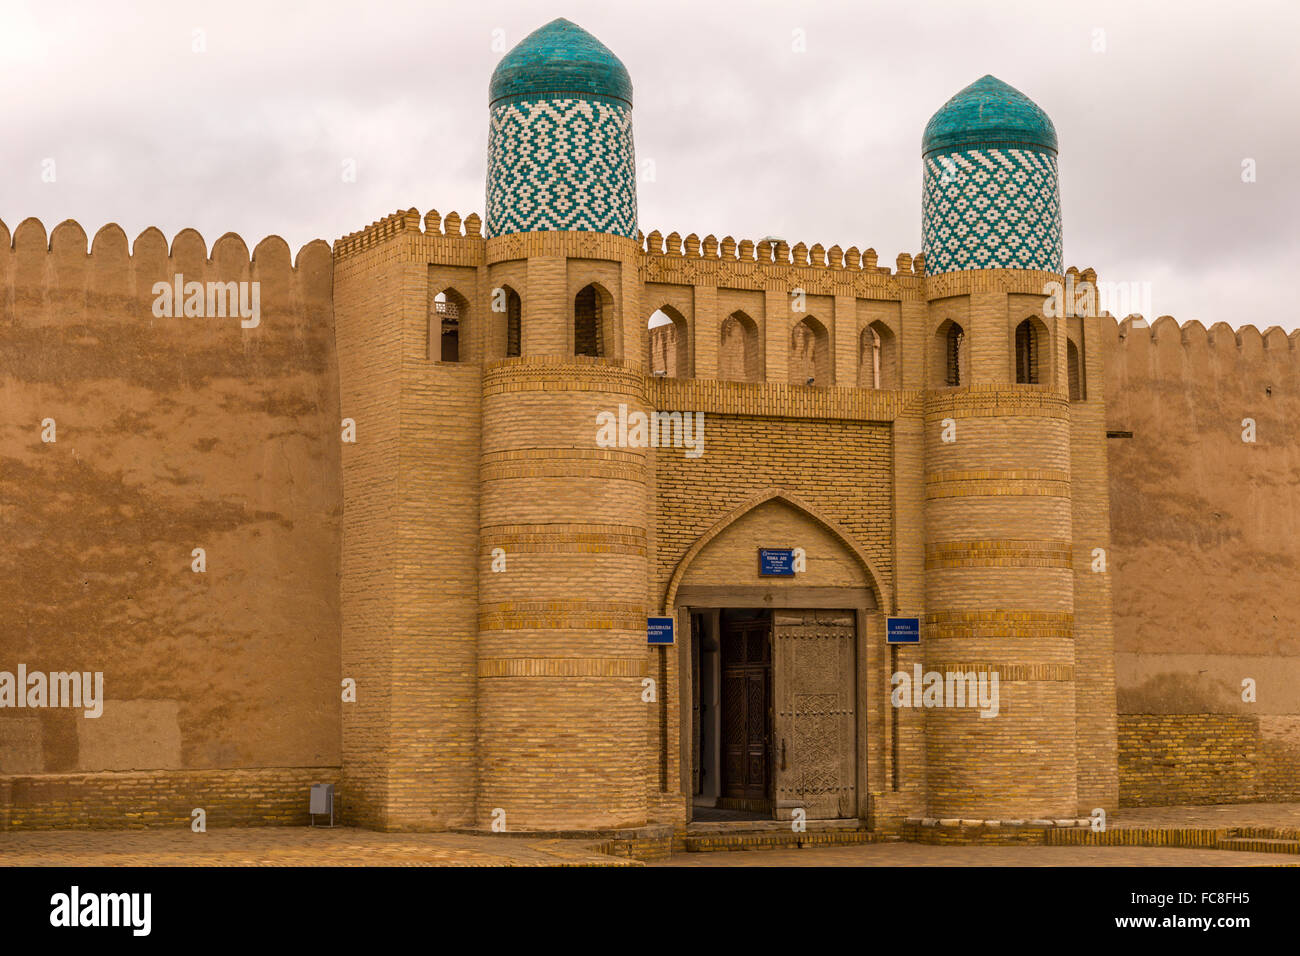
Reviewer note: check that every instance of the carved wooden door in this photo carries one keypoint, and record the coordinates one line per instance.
(815, 726)
(746, 703)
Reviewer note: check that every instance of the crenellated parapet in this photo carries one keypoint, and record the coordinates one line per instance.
(68, 242)
(771, 250)
(1134, 336)
(774, 264)
(444, 239)
(47, 278)
(745, 265)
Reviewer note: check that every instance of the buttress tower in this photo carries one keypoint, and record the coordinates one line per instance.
(562, 584)
(999, 578)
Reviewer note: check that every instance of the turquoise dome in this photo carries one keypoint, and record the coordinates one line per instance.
(560, 57)
(560, 154)
(992, 114)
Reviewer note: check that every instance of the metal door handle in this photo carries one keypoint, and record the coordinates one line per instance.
(782, 753)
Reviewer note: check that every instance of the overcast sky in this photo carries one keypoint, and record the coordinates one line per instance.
(749, 135)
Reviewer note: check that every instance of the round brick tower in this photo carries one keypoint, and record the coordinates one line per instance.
(999, 584)
(563, 515)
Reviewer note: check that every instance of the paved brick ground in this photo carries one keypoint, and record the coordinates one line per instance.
(345, 846)
(288, 846)
(915, 854)
(1222, 815)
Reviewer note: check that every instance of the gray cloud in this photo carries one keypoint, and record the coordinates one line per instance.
(749, 137)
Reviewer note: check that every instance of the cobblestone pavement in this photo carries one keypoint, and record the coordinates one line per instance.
(916, 854)
(289, 846)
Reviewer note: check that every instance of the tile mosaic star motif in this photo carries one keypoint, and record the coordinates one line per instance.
(561, 164)
(991, 209)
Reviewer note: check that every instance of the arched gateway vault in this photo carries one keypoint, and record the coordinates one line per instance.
(783, 679)
(832, 527)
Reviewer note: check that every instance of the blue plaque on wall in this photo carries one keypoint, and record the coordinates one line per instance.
(776, 562)
(659, 630)
(903, 630)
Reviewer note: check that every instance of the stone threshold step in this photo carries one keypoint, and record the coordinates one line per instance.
(1264, 833)
(649, 832)
(700, 827)
(778, 841)
(1257, 845)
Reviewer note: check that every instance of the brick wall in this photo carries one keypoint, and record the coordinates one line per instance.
(842, 467)
(1205, 529)
(1172, 759)
(129, 800)
(174, 432)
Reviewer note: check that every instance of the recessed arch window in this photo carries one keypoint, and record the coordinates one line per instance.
(593, 313)
(1031, 352)
(448, 311)
(667, 340)
(877, 358)
(738, 352)
(810, 353)
(513, 316)
(950, 355)
(1074, 370)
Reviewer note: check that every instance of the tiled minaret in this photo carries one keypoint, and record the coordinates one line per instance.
(991, 197)
(560, 146)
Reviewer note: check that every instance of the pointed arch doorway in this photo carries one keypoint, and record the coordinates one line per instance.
(776, 719)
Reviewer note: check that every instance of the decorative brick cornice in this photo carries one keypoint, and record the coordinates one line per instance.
(1007, 672)
(564, 539)
(564, 463)
(779, 277)
(948, 625)
(562, 373)
(562, 667)
(562, 615)
(778, 400)
(1041, 482)
(997, 401)
(1006, 281)
(1004, 553)
(570, 245)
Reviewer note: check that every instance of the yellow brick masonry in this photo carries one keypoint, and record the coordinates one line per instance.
(1214, 753)
(163, 798)
(998, 554)
(975, 536)
(561, 717)
(1007, 471)
(520, 691)
(561, 667)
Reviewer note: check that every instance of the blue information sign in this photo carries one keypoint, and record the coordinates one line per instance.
(659, 630)
(776, 562)
(903, 630)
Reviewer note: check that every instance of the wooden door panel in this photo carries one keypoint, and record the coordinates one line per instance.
(697, 740)
(733, 740)
(746, 694)
(814, 713)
